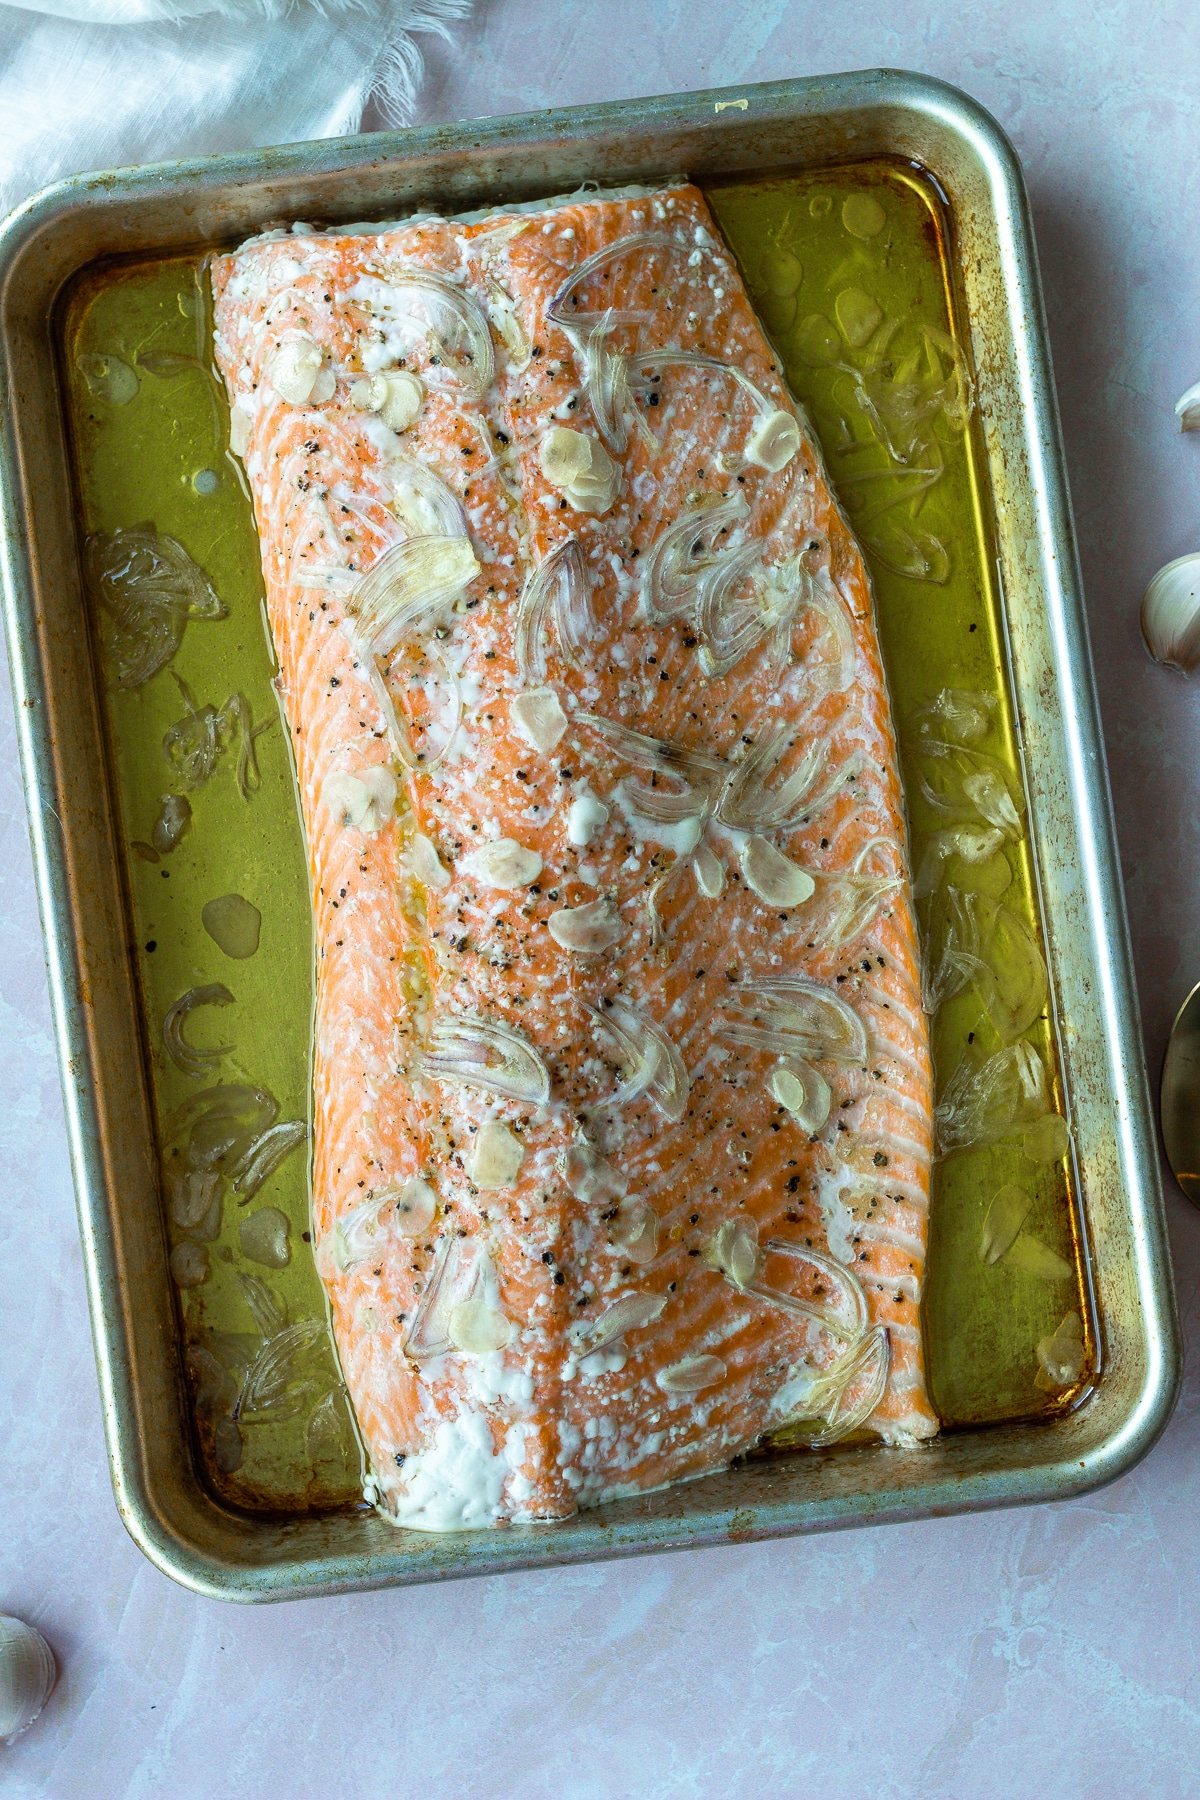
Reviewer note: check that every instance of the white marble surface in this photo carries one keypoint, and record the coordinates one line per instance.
(1048, 1652)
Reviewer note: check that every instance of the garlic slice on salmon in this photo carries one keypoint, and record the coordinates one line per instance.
(538, 719)
(634, 1230)
(298, 372)
(504, 863)
(710, 876)
(773, 876)
(478, 1328)
(396, 396)
(773, 440)
(691, 1375)
(363, 801)
(240, 422)
(497, 1157)
(633, 1313)
(587, 929)
(580, 468)
(423, 861)
(590, 1176)
(803, 1091)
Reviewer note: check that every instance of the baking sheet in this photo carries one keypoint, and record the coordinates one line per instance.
(714, 136)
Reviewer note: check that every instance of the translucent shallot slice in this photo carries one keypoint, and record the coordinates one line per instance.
(457, 1275)
(186, 1056)
(748, 804)
(271, 1388)
(442, 310)
(794, 1017)
(684, 553)
(408, 589)
(557, 589)
(983, 1103)
(261, 1158)
(471, 1052)
(848, 1394)
(653, 1064)
(423, 501)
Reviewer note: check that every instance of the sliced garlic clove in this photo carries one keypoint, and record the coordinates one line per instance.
(733, 1251)
(263, 1237)
(27, 1676)
(363, 801)
(580, 468)
(503, 864)
(416, 1206)
(497, 1158)
(772, 441)
(1061, 1356)
(590, 1176)
(477, 1328)
(422, 861)
(538, 718)
(397, 397)
(710, 876)
(692, 1374)
(588, 929)
(803, 1091)
(1187, 409)
(633, 1313)
(189, 1264)
(585, 817)
(240, 424)
(773, 876)
(634, 1231)
(296, 369)
(1171, 614)
(1004, 1219)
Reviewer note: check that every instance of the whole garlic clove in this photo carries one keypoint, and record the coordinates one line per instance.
(27, 1676)
(1187, 409)
(1171, 614)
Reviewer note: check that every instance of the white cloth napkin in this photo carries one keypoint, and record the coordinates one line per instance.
(94, 84)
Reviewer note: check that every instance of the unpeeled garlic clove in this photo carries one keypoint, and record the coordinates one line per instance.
(1171, 614)
(27, 1675)
(1187, 409)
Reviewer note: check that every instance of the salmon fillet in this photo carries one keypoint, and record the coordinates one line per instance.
(622, 1092)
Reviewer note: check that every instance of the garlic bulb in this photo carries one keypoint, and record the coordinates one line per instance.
(1171, 614)
(580, 468)
(27, 1676)
(1187, 409)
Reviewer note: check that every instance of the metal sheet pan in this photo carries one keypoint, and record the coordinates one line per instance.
(714, 134)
